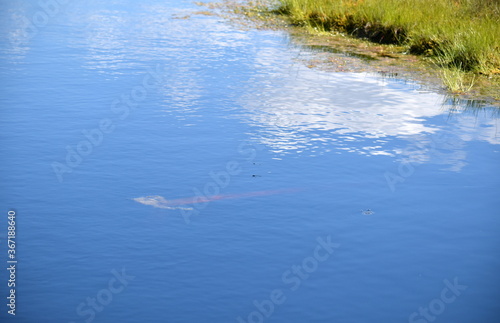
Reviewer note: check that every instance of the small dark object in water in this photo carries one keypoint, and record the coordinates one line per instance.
(367, 212)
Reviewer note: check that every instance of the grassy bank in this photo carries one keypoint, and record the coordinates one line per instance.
(462, 36)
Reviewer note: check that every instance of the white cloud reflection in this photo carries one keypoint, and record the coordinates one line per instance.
(307, 111)
(293, 109)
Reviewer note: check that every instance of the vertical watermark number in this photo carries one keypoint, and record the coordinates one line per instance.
(11, 262)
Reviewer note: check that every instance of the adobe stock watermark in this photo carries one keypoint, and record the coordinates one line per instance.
(88, 309)
(48, 9)
(437, 306)
(436, 146)
(121, 109)
(219, 180)
(292, 278)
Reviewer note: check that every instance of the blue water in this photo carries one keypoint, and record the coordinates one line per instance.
(322, 197)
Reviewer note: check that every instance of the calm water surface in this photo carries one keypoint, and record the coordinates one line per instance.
(287, 194)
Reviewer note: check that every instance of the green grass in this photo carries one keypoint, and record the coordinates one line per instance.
(462, 36)
(457, 80)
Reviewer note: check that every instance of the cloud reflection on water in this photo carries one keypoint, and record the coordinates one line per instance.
(293, 109)
(312, 112)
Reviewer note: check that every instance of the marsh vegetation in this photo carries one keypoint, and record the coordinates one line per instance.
(460, 36)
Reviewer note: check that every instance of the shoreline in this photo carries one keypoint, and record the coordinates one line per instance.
(354, 54)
